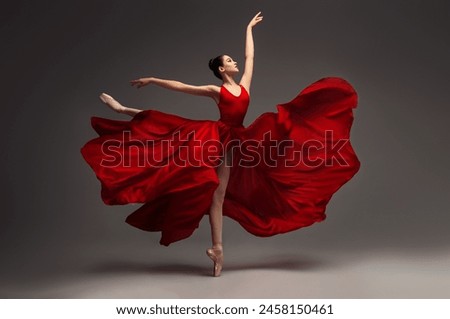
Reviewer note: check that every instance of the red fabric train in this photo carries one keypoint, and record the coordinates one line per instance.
(286, 165)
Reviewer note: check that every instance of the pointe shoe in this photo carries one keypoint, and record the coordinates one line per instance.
(216, 255)
(111, 102)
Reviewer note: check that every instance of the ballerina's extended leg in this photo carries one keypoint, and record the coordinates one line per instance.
(116, 106)
(111, 102)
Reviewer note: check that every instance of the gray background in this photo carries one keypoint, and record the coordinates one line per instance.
(386, 234)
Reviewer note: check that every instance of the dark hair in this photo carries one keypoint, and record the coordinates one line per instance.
(214, 65)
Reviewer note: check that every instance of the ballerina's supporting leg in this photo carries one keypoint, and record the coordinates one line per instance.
(216, 218)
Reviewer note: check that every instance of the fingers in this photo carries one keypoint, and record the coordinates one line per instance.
(137, 83)
(256, 19)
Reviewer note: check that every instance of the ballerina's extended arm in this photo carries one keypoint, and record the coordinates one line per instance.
(205, 90)
(249, 53)
(212, 91)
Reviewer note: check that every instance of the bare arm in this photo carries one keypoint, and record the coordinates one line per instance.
(249, 53)
(212, 91)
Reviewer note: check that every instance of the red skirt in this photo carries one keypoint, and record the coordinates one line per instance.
(285, 166)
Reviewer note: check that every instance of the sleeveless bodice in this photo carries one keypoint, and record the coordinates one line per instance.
(233, 108)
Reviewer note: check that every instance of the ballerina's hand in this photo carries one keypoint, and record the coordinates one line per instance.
(141, 82)
(256, 19)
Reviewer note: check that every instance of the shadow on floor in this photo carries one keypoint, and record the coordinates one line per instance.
(284, 263)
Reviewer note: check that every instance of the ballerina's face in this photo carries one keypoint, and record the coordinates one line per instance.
(229, 65)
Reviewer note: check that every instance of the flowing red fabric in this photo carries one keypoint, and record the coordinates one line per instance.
(285, 166)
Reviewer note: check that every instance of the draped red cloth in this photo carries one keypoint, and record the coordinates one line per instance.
(285, 167)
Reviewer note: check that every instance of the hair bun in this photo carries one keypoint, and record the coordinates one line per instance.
(215, 64)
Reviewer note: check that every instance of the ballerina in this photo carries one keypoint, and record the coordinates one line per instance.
(225, 68)
(298, 195)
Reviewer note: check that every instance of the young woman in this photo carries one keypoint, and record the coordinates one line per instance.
(258, 175)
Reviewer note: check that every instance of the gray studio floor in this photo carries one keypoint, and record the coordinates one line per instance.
(255, 268)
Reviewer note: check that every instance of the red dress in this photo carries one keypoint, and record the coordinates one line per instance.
(285, 166)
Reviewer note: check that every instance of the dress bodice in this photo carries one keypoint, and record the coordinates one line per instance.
(233, 108)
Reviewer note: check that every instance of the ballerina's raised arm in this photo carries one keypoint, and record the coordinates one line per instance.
(249, 53)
